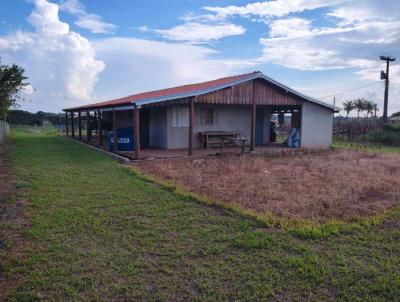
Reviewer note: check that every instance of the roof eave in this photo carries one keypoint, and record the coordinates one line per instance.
(257, 75)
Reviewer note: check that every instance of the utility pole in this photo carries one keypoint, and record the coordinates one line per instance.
(385, 76)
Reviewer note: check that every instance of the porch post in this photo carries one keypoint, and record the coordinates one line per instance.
(66, 123)
(115, 147)
(72, 124)
(95, 118)
(191, 125)
(136, 131)
(253, 120)
(88, 129)
(100, 127)
(79, 125)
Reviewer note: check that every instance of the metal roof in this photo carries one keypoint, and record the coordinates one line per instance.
(193, 90)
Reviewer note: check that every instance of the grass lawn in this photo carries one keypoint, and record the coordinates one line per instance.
(97, 231)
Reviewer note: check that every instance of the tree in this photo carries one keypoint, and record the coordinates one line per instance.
(375, 108)
(12, 81)
(20, 117)
(369, 107)
(396, 114)
(360, 105)
(348, 106)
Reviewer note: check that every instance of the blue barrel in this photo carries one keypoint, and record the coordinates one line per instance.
(124, 138)
(294, 138)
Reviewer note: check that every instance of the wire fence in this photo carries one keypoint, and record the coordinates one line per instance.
(48, 129)
(4, 131)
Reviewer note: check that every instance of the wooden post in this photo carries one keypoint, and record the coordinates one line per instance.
(115, 147)
(72, 124)
(79, 125)
(88, 129)
(253, 120)
(191, 125)
(136, 131)
(100, 127)
(66, 123)
(95, 118)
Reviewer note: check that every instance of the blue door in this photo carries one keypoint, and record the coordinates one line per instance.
(260, 115)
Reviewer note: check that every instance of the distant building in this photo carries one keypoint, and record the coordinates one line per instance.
(394, 119)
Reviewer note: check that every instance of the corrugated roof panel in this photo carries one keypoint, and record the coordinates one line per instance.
(216, 90)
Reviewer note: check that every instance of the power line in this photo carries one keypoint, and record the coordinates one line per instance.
(42, 103)
(349, 90)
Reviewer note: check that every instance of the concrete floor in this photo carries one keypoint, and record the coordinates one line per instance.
(156, 153)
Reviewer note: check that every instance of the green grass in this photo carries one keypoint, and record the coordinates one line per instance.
(100, 232)
(366, 147)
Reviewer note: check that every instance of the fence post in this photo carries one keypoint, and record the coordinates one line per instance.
(4, 131)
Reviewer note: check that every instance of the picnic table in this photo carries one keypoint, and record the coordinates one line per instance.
(222, 139)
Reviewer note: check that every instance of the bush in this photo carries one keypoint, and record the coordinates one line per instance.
(388, 135)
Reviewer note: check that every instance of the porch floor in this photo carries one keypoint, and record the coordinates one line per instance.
(158, 153)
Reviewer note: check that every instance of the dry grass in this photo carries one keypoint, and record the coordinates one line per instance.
(318, 185)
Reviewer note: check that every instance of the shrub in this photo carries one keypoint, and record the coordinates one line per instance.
(388, 135)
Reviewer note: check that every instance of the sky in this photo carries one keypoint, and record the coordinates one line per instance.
(77, 52)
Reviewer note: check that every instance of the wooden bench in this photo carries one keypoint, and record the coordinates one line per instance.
(215, 138)
(221, 139)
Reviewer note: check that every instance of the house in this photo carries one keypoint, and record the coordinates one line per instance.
(173, 118)
(394, 119)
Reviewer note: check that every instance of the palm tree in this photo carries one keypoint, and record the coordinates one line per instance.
(369, 107)
(375, 108)
(359, 104)
(348, 106)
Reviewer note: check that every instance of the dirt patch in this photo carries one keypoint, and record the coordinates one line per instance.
(319, 185)
(13, 223)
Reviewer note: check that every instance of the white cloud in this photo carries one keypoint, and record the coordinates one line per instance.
(192, 17)
(45, 19)
(28, 90)
(198, 32)
(15, 40)
(366, 10)
(276, 8)
(73, 7)
(95, 24)
(143, 28)
(147, 64)
(294, 42)
(57, 60)
(91, 22)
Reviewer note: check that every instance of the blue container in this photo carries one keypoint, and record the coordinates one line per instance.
(294, 138)
(124, 137)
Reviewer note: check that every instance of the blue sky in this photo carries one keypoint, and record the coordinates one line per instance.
(78, 52)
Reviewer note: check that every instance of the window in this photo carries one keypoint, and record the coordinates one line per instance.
(180, 116)
(209, 116)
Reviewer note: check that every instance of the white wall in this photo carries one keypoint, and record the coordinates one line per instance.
(164, 135)
(316, 126)
(226, 118)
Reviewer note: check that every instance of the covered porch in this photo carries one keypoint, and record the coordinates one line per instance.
(157, 136)
(198, 152)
